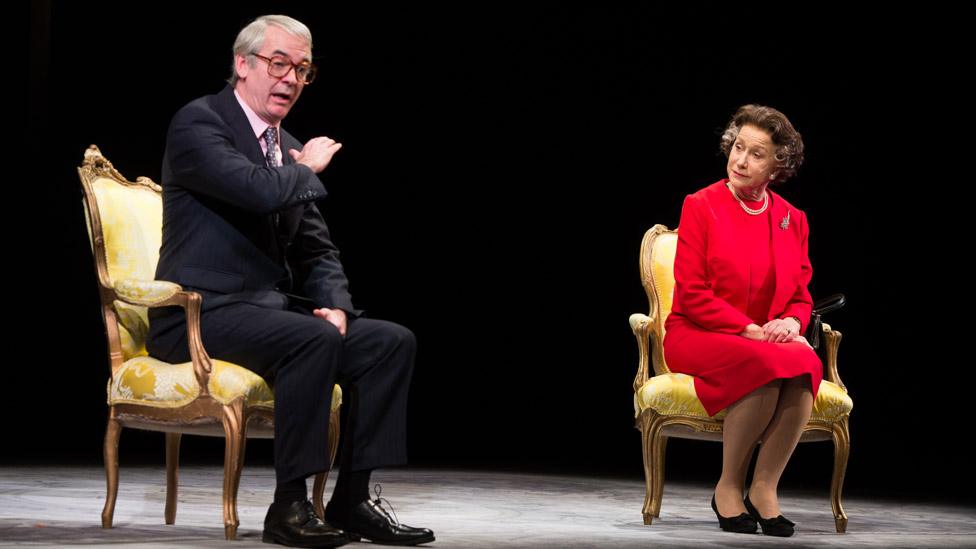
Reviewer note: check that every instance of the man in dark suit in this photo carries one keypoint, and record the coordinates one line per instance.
(240, 227)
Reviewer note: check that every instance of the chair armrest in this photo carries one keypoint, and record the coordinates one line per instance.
(829, 304)
(147, 293)
(832, 338)
(160, 293)
(820, 308)
(640, 325)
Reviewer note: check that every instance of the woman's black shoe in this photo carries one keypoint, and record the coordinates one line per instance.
(742, 524)
(779, 526)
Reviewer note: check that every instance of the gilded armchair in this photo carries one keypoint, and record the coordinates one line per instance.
(666, 404)
(203, 396)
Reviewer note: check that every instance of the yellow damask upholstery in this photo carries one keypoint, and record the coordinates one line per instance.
(133, 328)
(131, 245)
(132, 235)
(132, 312)
(203, 396)
(668, 407)
(674, 395)
(150, 382)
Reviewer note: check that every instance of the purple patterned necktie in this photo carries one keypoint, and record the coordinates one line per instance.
(270, 137)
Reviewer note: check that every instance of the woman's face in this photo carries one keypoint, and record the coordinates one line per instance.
(751, 161)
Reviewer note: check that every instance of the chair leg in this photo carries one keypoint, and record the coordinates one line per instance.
(234, 438)
(660, 445)
(318, 488)
(650, 431)
(110, 454)
(842, 449)
(172, 475)
(333, 435)
(318, 492)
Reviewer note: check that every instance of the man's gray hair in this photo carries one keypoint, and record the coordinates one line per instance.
(251, 38)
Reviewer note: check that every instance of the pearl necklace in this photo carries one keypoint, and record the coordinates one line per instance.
(749, 210)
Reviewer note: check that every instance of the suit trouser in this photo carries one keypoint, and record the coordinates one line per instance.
(303, 357)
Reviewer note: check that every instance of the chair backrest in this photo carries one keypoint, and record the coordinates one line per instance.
(657, 275)
(125, 222)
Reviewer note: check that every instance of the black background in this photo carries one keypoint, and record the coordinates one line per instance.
(500, 166)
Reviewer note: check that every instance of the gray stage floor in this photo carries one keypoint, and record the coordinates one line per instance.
(59, 506)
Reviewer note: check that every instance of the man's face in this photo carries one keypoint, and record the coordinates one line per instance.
(268, 96)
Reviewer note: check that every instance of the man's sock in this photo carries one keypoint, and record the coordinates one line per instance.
(351, 489)
(291, 490)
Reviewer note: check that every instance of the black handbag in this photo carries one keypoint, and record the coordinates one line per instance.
(821, 307)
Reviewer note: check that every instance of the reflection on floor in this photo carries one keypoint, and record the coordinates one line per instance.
(58, 506)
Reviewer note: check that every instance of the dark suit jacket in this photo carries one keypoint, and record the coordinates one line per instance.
(234, 229)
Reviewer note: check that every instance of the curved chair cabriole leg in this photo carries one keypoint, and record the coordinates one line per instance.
(318, 492)
(110, 454)
(318, 488)
(172, 475)
(234, 434)
(842, 449)
(649, 428)
(661, 444)
(333, 436)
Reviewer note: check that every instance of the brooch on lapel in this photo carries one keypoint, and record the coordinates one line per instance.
(785, 222)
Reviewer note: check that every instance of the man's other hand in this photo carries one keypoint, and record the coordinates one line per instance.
(336, 316)
(317, 153)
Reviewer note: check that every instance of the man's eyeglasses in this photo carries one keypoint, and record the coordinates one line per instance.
(279, 66)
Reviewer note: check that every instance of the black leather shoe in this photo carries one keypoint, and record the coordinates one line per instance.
(369, 520)
(295, 524)
(779, 526)
(742, 524)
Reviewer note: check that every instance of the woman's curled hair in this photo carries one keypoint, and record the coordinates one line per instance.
(788, 142)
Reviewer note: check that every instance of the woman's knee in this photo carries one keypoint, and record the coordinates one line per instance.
(798, 388)
(801, 381)
(770, 391)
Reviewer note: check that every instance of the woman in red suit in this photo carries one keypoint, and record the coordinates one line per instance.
(741, 302)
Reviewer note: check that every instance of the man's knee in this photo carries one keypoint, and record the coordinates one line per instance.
(403, 337)
(316, 338)
(396, 341)
(325, 331)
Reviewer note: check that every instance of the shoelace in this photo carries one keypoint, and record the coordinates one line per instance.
(310, 512)
(379, 501)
